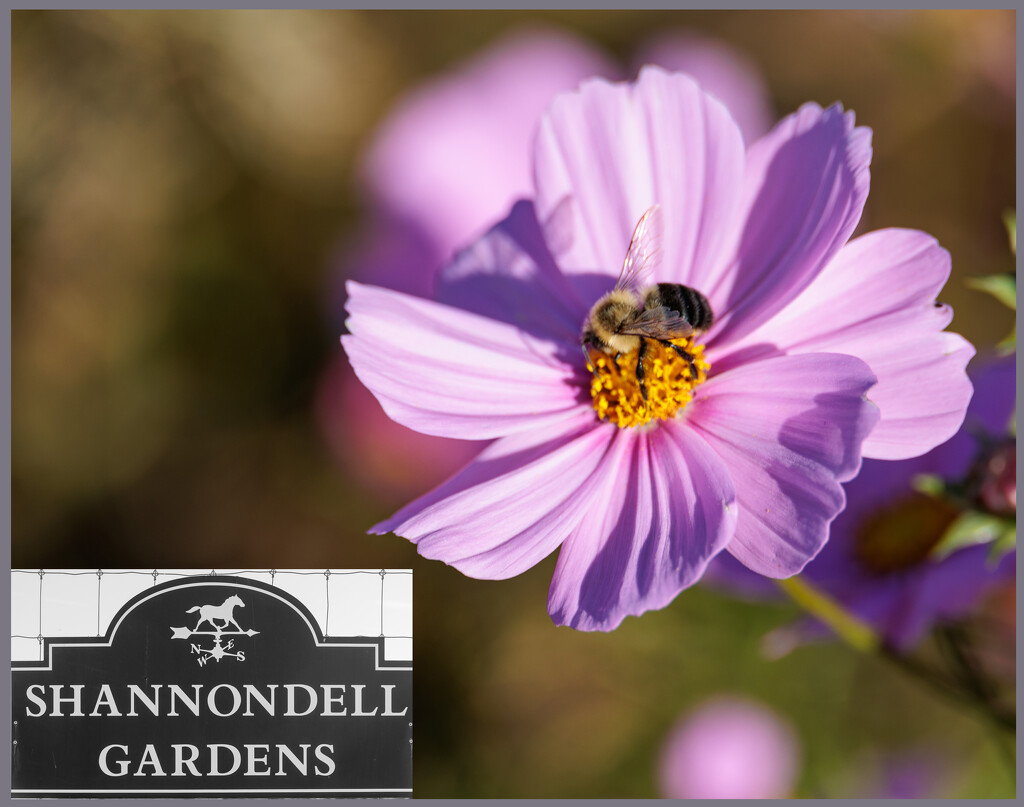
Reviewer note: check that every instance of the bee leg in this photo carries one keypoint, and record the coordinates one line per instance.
(586, 356)
(640, 370)
(686, 356)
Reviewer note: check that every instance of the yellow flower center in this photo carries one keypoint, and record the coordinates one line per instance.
(615, 389)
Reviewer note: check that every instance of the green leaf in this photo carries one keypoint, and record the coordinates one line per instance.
(929, 485)
(1006, 542)
(1010, 220)
(1003, 287)
(1008, 344)
(971, 529)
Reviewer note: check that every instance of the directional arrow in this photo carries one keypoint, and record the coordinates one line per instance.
(185, 633)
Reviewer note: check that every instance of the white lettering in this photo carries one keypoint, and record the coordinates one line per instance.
(36, 699)
(253, 759)
(180, 761)
(330, 699)
(387, 702)
(177, 693)
(121, 763)
(105, 698)
(322, 756)
(358, 711)
(301, 765)
(236, 700)
(135, 691)
(215, 759)
(267, 704)
(150, 758)
(75, 699)
(291, 688)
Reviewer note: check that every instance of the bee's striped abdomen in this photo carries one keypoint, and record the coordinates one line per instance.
(690, 303)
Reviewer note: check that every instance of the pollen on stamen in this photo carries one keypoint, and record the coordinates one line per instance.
(616, 392)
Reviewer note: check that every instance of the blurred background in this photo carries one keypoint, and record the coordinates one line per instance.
(191, 189)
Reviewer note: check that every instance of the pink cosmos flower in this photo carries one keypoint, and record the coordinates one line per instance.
(749, 457)
(729, 748)
(485, 112)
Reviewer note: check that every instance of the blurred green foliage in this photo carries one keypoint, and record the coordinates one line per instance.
(183, 184)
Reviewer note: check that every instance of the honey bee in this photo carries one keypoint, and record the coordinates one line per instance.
(630, 314)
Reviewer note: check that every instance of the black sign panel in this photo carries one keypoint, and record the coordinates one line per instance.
(212, 686)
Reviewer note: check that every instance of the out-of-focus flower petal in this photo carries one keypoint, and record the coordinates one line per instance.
(455, 154)
(448, 372)
(919, 773)
(876, 300)
(993, 404)
(617, 149)
(386, 459)
(729, 748)
(804, 189)
(389, 252)
(789, 429)
(665, 506)
(510, 276)
(904, 606)
(726, 73)
(513, 505)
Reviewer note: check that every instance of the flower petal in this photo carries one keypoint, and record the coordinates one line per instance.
(725, 73)
(947, 589)
(664, 508)
(452, 373)
(989, 413)
(510, 276)
(617, 149)
(789, 429)
(513, 505)
(804, 189)
(876, 300)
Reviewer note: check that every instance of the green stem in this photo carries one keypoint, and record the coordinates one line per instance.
(860, 636)
(850, 629)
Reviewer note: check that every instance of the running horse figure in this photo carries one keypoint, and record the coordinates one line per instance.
(223, 612)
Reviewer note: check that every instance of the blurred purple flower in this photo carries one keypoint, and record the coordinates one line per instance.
(917, 774)
(455, 154)
(806, 324)
(729, 748)
(449, 161)
(877, 562)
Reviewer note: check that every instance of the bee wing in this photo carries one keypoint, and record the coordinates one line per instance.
(644, 251)
(658, 323)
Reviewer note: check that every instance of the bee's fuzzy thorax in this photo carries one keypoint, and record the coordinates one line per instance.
(607, 317)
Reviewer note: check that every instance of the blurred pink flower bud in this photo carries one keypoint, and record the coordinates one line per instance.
(729, 748)
(999, 483)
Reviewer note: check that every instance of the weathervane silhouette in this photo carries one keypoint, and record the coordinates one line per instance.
(224, 614)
